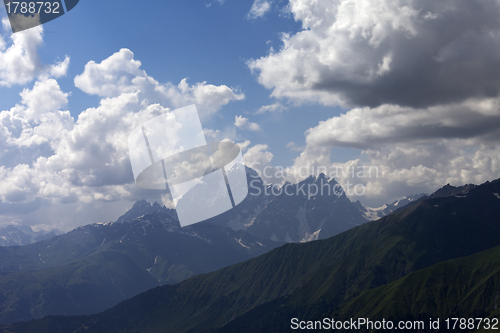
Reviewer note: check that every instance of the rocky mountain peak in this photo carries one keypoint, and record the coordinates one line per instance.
(142, 207)
(449, 190)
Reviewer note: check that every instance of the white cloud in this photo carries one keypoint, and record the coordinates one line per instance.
(19, 60)
(121, 73)
(86, 160)
(259, 9)
(210, 133)
(394, 171)
(242, 122)
(275, 107)
(47, 157)
(259, 158)
(254, 127)
(374, 52)
(112, 77)
(371, 127)
(258, 154)
(37, 123)
(423, 106)
(415, 149)
(293, 146)
(43, 98)
(209, 97)
(244, 145)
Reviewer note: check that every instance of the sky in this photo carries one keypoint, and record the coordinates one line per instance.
(408, 88)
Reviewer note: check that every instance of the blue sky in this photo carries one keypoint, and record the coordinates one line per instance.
(353, 83)
(201, 41)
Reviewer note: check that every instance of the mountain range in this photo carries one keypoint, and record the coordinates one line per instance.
(298, 214)
(437, 257)
(12, 235)
(315, 208)
(97, 266)
(373, 214)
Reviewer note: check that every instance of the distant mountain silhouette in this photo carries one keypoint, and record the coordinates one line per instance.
(22, 235)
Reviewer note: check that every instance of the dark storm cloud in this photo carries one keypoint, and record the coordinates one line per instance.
(436, 52)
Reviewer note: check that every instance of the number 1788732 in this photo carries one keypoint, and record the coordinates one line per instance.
(14, 7)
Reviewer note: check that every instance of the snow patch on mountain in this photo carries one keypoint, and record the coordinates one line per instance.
(373, 214)
(241, 243)
(312, 237)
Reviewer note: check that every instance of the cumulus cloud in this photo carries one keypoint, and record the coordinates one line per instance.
(371, 127)
(19, 59)
(121, 73)
(393, 171)
(275, 107)
(258, 154)
(413, 53)
(413, 150)
(259, 158)
(259, 9)
(211, 134)
(35, 126)
(244, 145)
(293, 146)
(242, 122)
(73, 161)
(112, 76)
(48, 157)
(416, 149)
(415, 78)
(254, 127)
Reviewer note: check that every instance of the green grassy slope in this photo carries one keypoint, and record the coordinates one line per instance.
(467, 288)
(460, 288)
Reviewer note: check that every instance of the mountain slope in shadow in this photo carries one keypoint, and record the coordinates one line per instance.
(94, 267)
